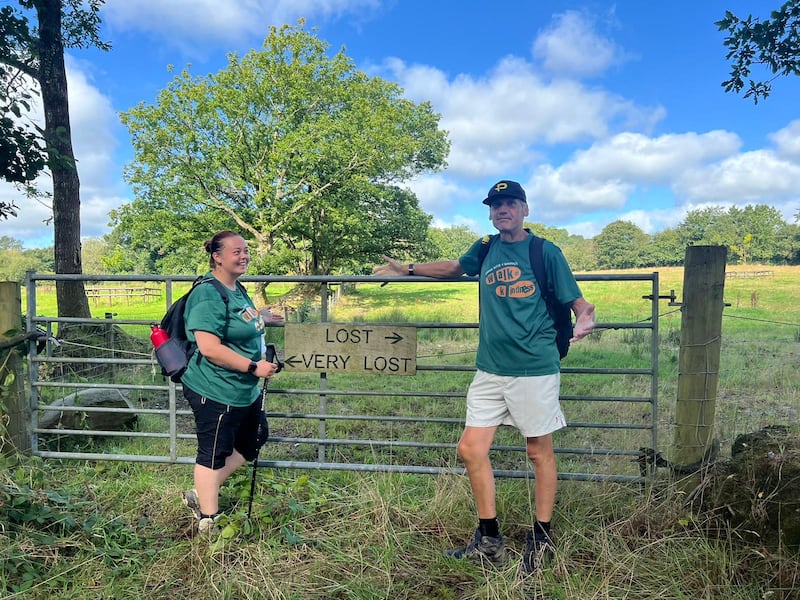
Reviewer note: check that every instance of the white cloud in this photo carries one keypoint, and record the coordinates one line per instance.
(571, 47)
(637, 158)
(501, 122)
(553, 197)
(760, 177)
(196, 23)
(651, 221)
(787, 141)
(95, 128)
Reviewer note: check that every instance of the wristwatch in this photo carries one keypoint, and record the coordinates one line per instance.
(410, 268)
(253, 366)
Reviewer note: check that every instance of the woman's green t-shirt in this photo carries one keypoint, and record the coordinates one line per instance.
(205, 311)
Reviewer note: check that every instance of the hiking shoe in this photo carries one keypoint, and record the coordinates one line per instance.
(191, 500)
(539, 549)
(205, 524)
(208, 525)
(483, 549)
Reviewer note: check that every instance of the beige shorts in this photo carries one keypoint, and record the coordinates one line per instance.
(528, 403)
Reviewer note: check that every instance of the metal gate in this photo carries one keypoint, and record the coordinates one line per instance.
(85, 374)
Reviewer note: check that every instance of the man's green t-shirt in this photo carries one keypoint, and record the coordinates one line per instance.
(517, 337)
(205, 311)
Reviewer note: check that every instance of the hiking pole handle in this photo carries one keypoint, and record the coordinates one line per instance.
(271, 355)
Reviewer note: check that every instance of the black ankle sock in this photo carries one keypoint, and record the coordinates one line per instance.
(205, 516)
(541, 528)
(490, 527)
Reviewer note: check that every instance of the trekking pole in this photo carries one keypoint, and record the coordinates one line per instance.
(263, 426)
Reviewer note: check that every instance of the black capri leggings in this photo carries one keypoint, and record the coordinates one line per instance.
(221, 429)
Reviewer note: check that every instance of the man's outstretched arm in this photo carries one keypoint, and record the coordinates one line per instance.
(584, 319)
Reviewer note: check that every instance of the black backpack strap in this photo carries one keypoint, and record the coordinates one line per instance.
(539, 270)
(486, 241)
(223, 293)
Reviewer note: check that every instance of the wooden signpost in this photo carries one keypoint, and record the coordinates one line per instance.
(350, 348)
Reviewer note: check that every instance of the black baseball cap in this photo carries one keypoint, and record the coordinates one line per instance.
(505, 189)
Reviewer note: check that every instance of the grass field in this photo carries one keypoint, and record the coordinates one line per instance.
(95, 529)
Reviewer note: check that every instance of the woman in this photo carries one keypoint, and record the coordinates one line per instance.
(221, 381)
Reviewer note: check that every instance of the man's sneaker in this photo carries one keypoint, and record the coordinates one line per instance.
(190, 499)
(539, 549)
(483, 549)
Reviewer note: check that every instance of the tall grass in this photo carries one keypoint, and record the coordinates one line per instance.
(83, 529)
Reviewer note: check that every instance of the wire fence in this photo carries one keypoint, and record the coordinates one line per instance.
(97, 392)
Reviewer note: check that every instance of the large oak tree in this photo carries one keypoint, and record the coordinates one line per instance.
(297, 149)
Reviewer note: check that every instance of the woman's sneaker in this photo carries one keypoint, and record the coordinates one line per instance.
(483, 549)
(539, 549)
(190, 500)
(205, 524)
(208, 525)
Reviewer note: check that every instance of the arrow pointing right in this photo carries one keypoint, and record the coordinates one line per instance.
(395, 337)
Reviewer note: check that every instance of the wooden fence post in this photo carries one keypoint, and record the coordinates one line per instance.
(14, 409)
(698, 371)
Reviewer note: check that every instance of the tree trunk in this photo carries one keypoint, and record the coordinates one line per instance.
(71, 296)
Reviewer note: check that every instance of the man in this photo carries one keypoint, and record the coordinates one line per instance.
(518, 367)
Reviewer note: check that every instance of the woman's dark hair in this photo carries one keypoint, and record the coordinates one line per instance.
(216, 243)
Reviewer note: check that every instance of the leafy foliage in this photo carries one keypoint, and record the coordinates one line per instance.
(445, 243)
(17, 260)
(621, 245)
(773, 43)
(298, 150)
(32, 54)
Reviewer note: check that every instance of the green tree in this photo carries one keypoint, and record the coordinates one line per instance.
(43, 258)
(559, 236)
(446, 243)
(94, 251)
(578, 251)
(666, 249)
(789, 245)
(620, 246)
(22, 154)
(36, 50)
(773, 43)
(707, 226)
(298, 150)
(758, 229)
(754, 233)
(16, 260)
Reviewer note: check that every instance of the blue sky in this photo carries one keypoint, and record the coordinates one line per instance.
(602, 110)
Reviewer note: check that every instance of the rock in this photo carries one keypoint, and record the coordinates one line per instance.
(758, 489)
(104, 421)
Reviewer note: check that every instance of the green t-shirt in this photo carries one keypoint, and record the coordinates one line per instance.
(517, 337)
(205, 311)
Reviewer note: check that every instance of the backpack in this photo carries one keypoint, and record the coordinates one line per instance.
(174, 324)
(561, 314)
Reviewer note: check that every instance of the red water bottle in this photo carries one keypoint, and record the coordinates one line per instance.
(158, 336)
(168, 353)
